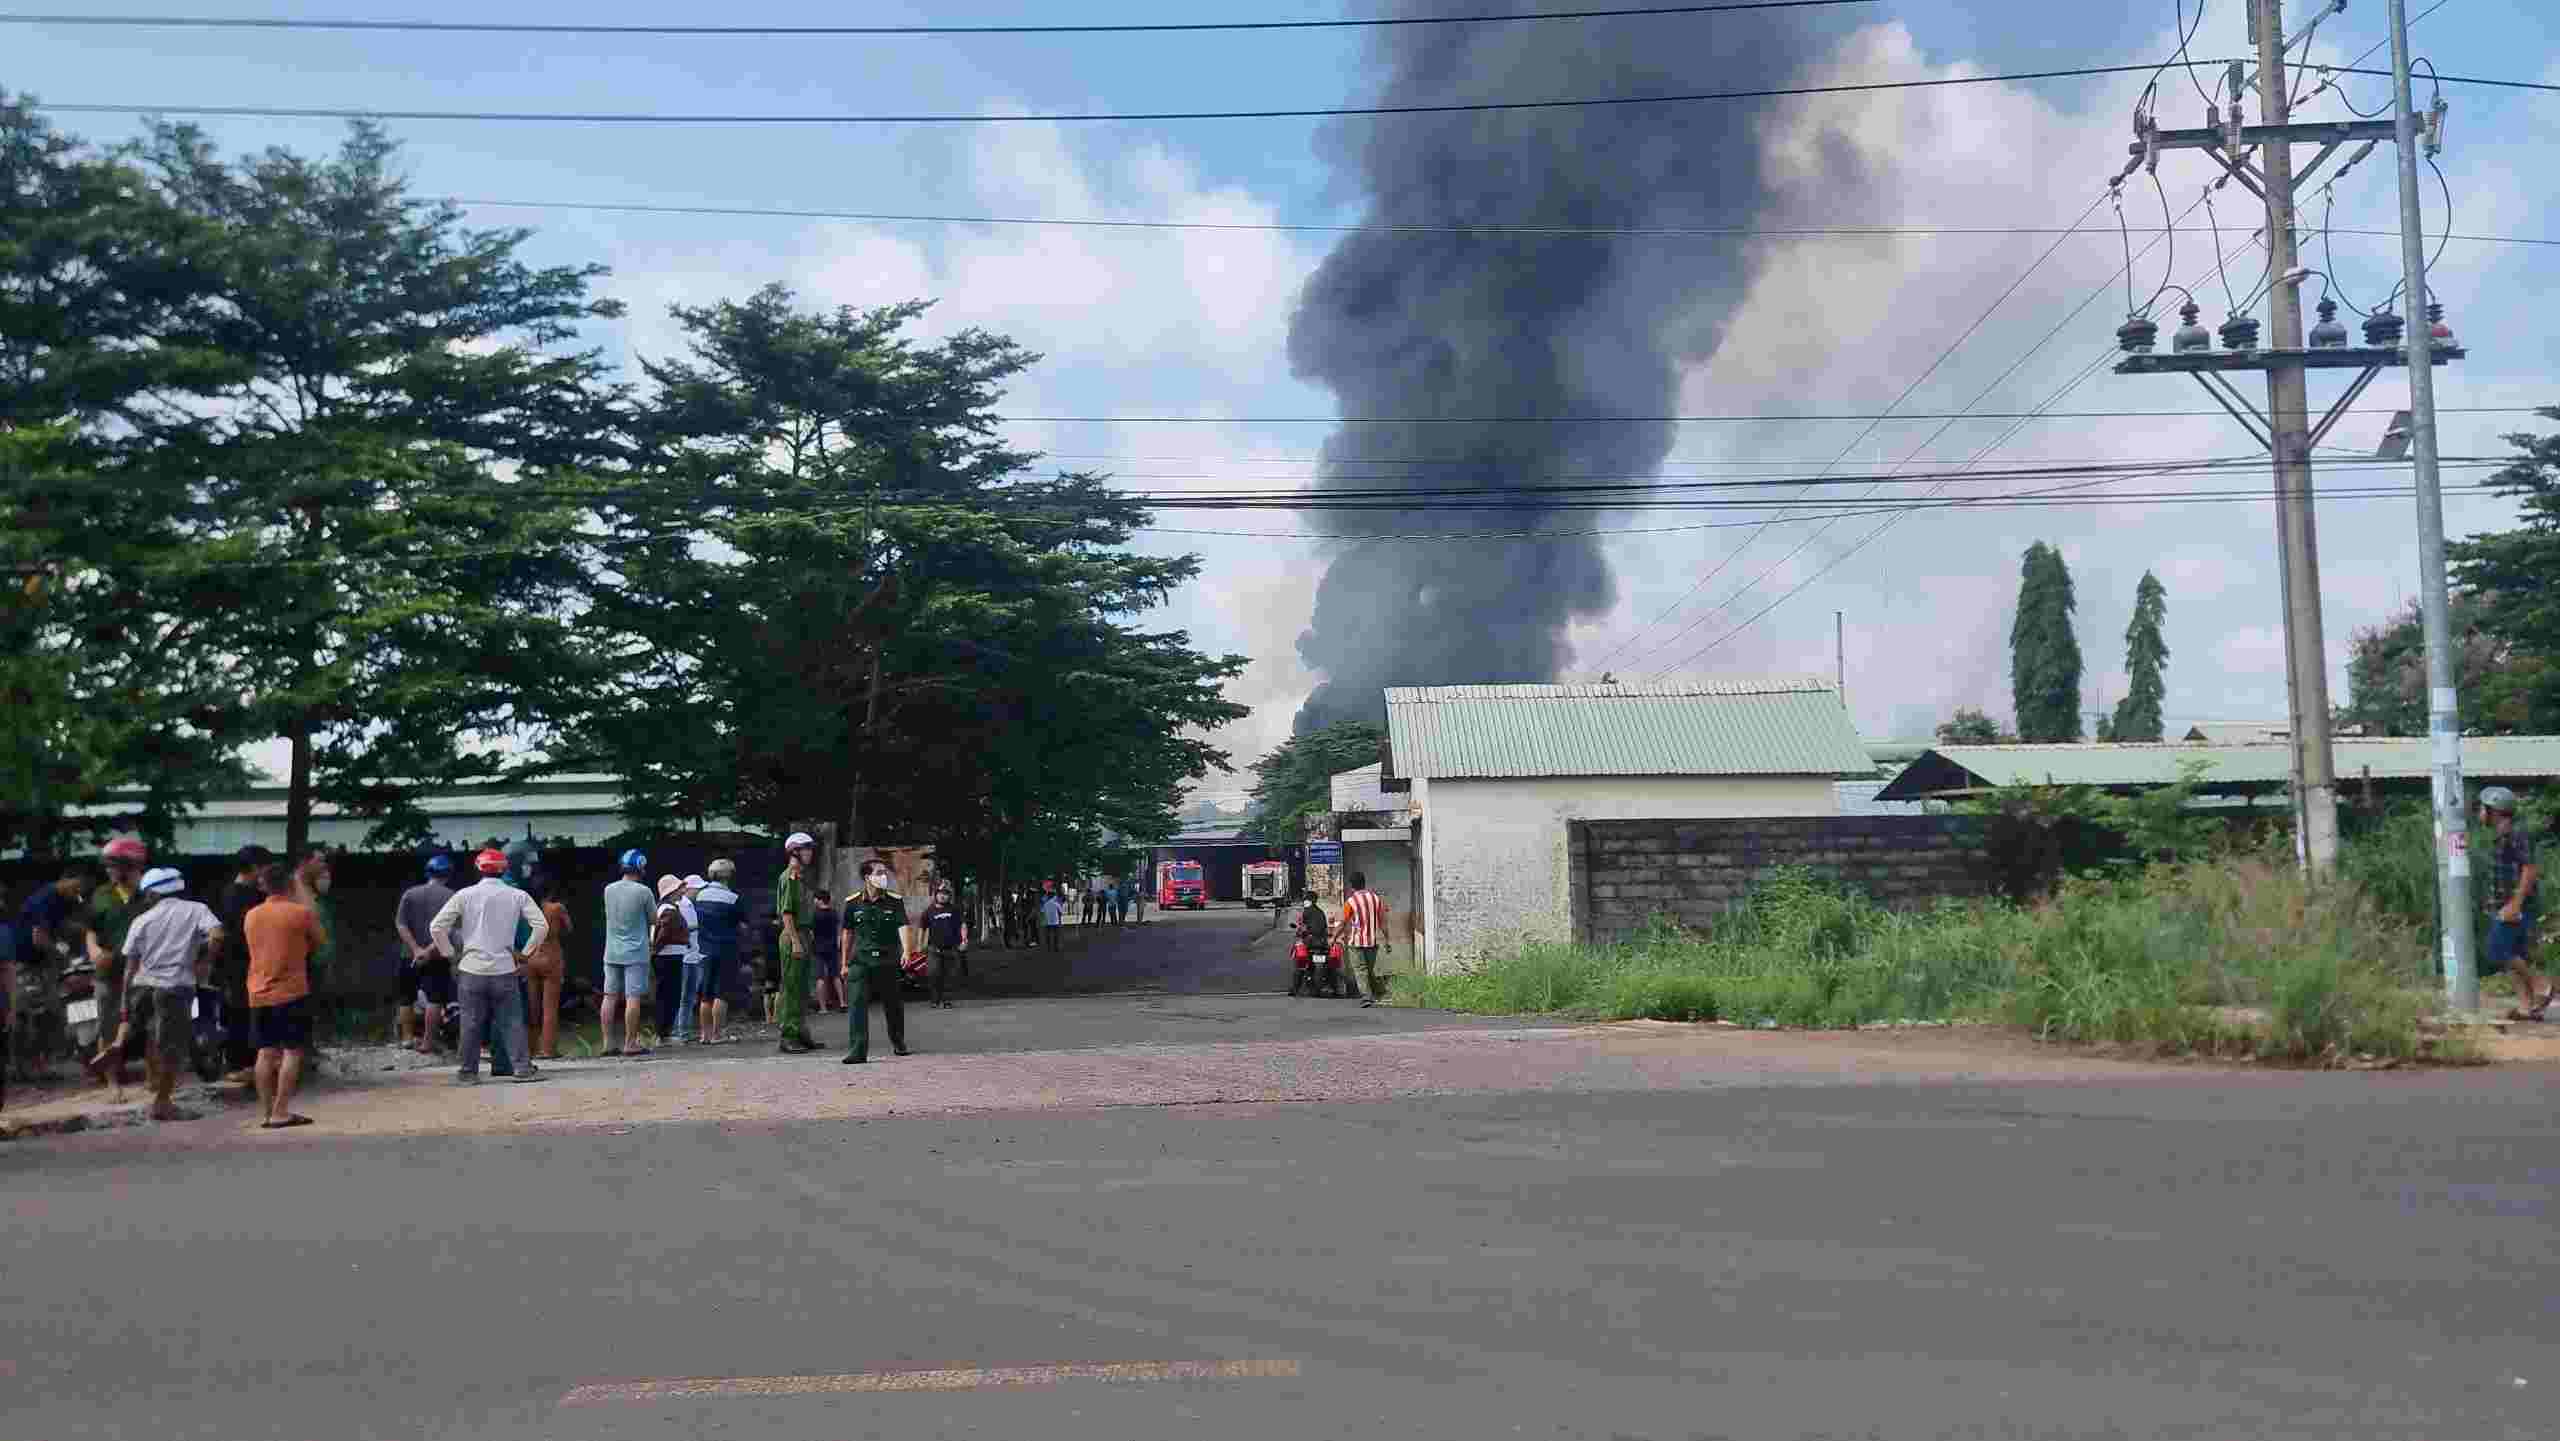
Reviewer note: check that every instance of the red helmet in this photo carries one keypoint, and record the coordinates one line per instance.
(127, 850)
(491, 863)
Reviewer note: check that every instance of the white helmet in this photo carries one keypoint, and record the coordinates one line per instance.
(165, 881)
(799, 839)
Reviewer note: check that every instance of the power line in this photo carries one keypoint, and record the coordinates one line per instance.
(281, 112)
(499, 27)
(1666, 232)
(1917, 381)
(1809, 417)
(1472, 107)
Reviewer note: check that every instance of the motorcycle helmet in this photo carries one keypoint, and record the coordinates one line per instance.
(125, 850)
(490, 863)
(635, 860)
(439, 865)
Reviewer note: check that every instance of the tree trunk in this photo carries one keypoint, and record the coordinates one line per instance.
(297, 791)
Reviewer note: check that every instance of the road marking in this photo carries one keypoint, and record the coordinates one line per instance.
(965, 1378)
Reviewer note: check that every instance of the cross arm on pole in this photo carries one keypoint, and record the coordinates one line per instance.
(2241, 410)
(2338, 408)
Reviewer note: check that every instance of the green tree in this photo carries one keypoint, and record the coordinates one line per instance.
(2387, 674)
(850, 602)
(1294, 783)
(2146, 655)
(390, 545)
(2509, 575)
(106, 301)
(1970, 727)
(2044, 653)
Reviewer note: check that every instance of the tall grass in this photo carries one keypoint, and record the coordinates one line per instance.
(2234, 956)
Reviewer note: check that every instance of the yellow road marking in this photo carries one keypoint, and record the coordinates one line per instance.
(965, 1378)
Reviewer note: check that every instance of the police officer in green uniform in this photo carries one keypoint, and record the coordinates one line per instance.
(872, 922)
(791, 912)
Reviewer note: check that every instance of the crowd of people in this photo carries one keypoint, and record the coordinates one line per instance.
(157, 963)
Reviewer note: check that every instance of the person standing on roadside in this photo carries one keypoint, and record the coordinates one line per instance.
(826, 952)
(946, 933)
(411, 917)
(311, 882)
(2513, 903)
(875, 922)
(480, 926)
(112, 911)
(628, 905)
(1364, 930)
(170, 946)
(231, 964)
(1053, 913)
(284, 934)
(719, 925)
(689, 1000)
(670, 942)
(791, 919)
(546, 966)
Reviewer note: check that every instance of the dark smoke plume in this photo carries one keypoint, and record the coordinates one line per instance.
(1479, 325)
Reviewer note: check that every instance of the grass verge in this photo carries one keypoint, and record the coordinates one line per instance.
(2234, 958)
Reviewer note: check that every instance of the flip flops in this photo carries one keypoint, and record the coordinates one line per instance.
(286, 1124)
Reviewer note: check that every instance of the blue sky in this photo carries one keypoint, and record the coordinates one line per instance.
(1151, 323)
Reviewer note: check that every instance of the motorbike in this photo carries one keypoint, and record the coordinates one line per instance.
(212, 1033)
(1319, 976)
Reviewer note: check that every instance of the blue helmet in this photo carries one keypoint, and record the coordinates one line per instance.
(634, 860)
(439, 864)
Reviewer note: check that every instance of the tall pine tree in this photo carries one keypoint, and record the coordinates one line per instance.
(2146, 654)
(2044, 654)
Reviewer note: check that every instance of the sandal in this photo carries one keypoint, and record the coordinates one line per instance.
(287, 1122)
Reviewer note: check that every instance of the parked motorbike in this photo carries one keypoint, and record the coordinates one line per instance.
(212, 1033)
(1313, 976)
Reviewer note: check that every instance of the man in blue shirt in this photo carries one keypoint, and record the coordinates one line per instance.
(720, 919)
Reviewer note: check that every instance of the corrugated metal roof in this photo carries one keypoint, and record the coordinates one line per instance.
(1683, 728)
(2238, 733)
(1953, 768)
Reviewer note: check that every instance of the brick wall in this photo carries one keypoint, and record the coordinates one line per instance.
(1625, 872)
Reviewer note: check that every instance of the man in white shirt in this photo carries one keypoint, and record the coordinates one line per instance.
(479, 927)
(169, 947)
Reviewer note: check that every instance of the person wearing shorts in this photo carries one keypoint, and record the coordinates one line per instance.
(170, 946)
(719, 916)
(2513, 902)
(628, 906)
(415, 912)
(283, 936)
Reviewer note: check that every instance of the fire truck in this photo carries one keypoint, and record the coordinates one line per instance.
(1180, 884)
(1266, 883)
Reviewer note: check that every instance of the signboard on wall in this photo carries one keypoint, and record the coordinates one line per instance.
(1324, 853)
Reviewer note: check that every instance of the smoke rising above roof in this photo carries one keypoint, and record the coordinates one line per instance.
(1406, 324)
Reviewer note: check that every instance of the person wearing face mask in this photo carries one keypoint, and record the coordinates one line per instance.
(874, 920)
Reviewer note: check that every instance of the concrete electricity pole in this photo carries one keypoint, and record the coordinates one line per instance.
(2289, 428)
(2285, 428)
(2444, 724)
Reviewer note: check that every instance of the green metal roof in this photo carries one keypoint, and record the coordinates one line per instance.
(1949, 769)
(1690, 728)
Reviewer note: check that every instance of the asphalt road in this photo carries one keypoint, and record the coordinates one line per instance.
(2201, 1256)
(1224, 950)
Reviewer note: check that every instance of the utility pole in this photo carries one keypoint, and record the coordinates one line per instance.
(1840, 654)
(2289, 427)
(2444, 724)
(2285, 427)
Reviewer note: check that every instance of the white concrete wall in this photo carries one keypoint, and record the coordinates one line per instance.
(1495, 868)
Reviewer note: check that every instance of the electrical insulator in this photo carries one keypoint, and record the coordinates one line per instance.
(2240, 333)
(2328, 334)
(2137, 335)
(2191, 336)
(2382, 328)
(2439, 334)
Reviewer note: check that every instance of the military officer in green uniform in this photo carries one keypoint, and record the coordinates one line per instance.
(872, 922)
(791, 909)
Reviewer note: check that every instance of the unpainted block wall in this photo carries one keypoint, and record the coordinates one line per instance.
(1626, 872)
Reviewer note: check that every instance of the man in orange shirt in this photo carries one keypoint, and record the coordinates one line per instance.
(283, 936)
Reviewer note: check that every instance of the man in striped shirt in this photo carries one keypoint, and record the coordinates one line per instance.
(1364, 929)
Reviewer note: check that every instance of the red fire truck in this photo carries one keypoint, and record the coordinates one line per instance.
(1180, 884)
